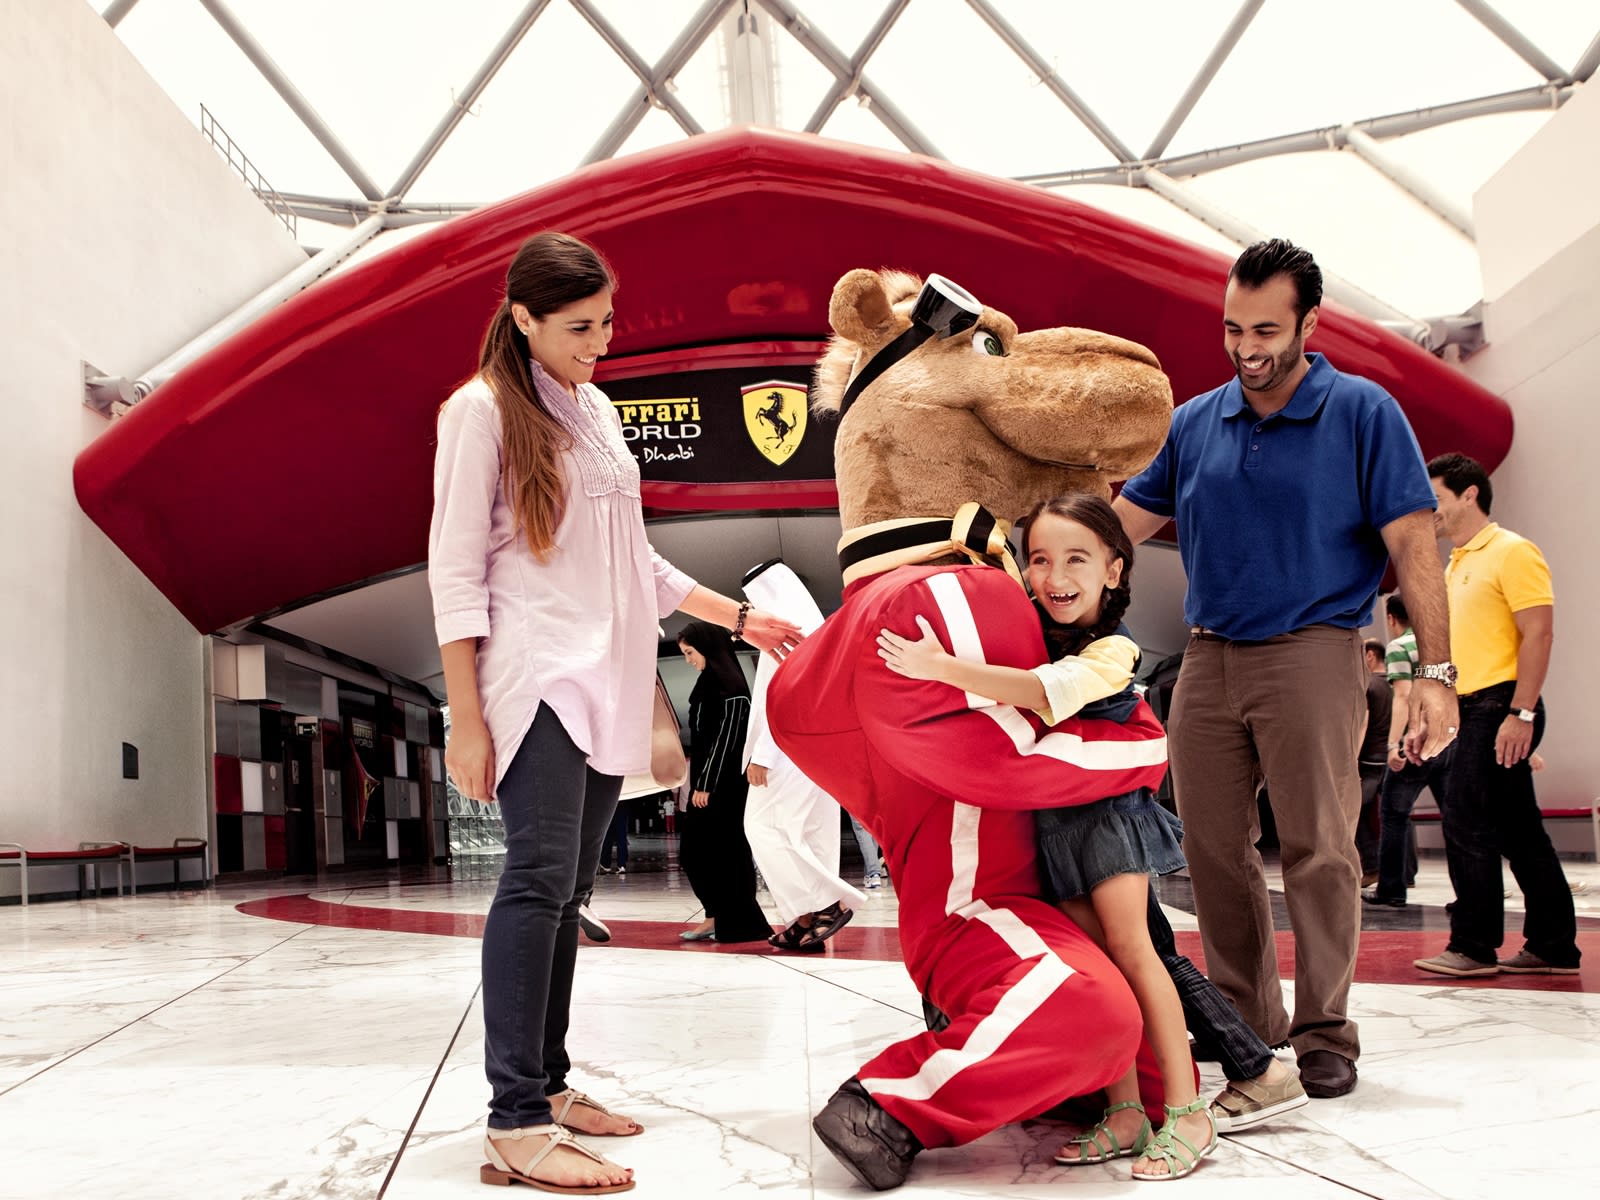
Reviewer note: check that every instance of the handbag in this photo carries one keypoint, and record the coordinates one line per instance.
(668, 766)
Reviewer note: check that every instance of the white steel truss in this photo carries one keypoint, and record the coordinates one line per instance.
(1162, 175)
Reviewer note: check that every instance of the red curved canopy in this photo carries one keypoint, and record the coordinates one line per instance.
(296, 458)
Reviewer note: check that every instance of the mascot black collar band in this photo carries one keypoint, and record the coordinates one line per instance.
(974, 532)
(943, 308)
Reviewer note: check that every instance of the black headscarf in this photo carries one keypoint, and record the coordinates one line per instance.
(722, 670)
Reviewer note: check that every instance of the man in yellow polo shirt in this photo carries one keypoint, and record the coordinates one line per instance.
(1501, 623)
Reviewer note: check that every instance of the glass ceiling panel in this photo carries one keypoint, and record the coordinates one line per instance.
(319, 235)
(650, 28)
(702, 87)
(993, 114)
(379, 78)
(657, 128)
(853, 121)
(1374, 236)
(1147, 208)
(560, 89)
(1563, 29)
(803, 81)
(1107, 55)
(195, 63)
(845, 22)
(1370, 57)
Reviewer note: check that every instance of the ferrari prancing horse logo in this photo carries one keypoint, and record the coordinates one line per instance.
(775, 418)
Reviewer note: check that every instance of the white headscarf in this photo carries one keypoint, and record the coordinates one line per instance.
(773, 587)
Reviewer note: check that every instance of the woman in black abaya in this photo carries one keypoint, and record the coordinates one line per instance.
(712, 848)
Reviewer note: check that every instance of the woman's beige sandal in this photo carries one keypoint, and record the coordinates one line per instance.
(571, 1097)
(499, 1172)
(1101, 1145)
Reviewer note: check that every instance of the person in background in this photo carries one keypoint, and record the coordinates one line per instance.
(1403, 780)
(1502, 621)
(712, 848)
(1371, 761)
(792, 824)
(616, 840)
(872, 876)
(546, 595)
(1372, 650)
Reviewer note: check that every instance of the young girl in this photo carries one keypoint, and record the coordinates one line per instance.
(1096, 859)
(546, 595)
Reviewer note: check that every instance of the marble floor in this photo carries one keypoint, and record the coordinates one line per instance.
(322, 1038)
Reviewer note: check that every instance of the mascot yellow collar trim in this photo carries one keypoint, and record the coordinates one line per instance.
(974, 532)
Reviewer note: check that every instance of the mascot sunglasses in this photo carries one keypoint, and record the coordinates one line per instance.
(943, 309)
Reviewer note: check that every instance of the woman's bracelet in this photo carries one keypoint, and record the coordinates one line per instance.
(744, 611)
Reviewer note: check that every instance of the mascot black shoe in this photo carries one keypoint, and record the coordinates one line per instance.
(873, 1146)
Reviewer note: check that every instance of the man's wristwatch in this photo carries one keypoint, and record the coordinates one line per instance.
(1444, 672)
(1523, 714)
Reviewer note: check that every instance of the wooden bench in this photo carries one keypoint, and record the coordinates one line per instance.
(89, 856)
(182, 850)
(1590, 814)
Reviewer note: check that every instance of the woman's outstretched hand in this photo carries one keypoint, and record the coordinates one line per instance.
(772, 634)
(919, 659)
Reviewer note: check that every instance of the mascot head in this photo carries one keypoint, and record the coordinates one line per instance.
(961, 407)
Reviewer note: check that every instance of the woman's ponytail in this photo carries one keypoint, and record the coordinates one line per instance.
(532, 440)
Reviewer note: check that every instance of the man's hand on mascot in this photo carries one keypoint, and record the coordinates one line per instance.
(920, 659)
(757, 775)
(772, 634)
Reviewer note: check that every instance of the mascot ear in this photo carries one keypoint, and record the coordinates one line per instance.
(860, 311)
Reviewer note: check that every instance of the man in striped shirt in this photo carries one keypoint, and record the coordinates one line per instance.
(1404, 780)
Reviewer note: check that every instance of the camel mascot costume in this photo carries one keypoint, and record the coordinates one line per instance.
(952, 425)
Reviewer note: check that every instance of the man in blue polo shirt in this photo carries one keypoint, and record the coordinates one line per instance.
(1292, 485)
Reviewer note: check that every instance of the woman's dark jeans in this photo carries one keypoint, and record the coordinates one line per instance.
(1491, 813)
(556, 811)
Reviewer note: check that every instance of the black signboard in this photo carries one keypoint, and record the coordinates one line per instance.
(730, 425)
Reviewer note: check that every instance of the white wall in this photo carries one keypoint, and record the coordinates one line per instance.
(1538, 223)
(124, 235)
(1545, 198)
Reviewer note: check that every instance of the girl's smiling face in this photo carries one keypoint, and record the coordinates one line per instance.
(1069, 569)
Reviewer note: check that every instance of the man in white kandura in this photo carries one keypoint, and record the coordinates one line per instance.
(792, 825)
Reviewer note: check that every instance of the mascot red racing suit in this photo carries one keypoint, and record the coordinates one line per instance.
(946, 782)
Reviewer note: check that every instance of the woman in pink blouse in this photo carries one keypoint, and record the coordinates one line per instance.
(546, 597)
